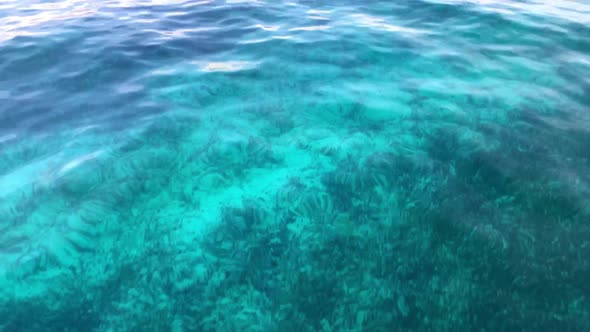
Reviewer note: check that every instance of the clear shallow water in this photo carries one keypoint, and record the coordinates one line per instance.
(302, 166)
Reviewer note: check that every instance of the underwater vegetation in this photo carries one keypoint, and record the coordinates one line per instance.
(174, 233)
(352, 168)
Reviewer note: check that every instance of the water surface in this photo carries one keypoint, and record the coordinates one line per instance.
(294, 166)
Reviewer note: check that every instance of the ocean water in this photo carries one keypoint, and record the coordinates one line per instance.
(295, 166)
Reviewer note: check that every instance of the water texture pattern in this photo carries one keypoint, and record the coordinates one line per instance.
(294, 166)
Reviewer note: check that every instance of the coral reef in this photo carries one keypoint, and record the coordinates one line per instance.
(345, 187)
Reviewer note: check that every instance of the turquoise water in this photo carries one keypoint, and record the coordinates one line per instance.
(294, 166)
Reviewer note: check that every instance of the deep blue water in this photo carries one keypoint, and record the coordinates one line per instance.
(295, 166)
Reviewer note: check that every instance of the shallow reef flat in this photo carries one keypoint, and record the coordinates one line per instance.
(300, 166)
